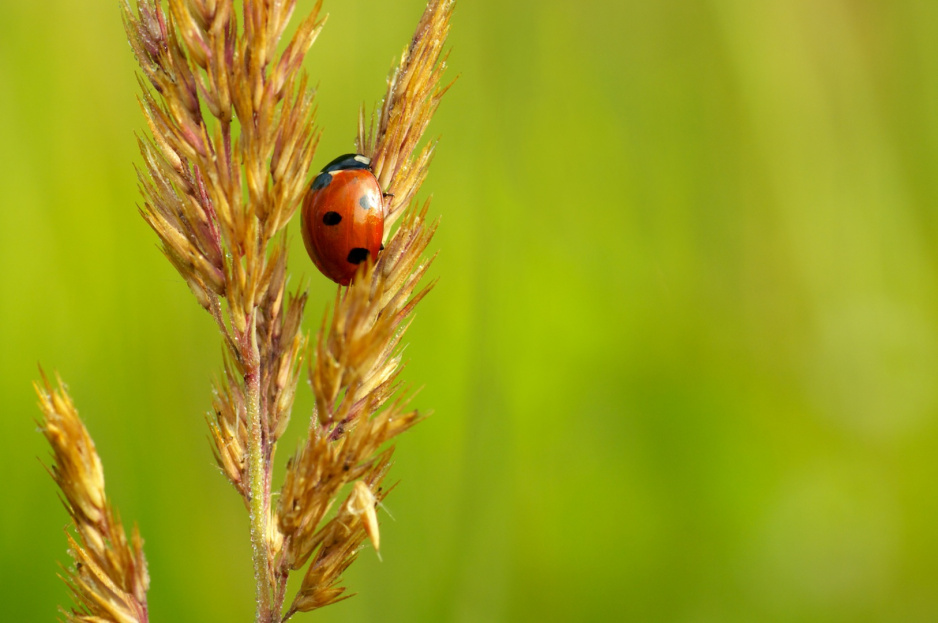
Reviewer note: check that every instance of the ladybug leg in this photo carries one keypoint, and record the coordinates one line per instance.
(387, 204)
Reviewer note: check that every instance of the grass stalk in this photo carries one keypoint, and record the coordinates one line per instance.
(259, 499)
(225, 165)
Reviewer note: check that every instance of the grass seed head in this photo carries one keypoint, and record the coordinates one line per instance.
(226, 162)
(109, 580)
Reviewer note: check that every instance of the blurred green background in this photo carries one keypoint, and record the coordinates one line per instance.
(682, 355)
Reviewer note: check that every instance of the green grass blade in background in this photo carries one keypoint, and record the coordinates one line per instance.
(682, 355)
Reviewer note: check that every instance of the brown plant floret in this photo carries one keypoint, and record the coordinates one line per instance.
(413, 95)
(225, 163)
(357, 359)
(109, 580)
(231, 143)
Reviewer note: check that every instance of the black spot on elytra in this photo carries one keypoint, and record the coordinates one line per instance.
(357, 255)
(322, 180)
(365, 202)
(331, 218)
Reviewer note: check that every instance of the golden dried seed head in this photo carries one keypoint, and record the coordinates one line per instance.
(109, 580)
(232, 142)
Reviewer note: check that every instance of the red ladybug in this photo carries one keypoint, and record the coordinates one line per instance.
(343, 217)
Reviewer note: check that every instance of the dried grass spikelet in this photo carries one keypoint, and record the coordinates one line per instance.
(339, 541)
(231, 140)
(197, 168)
(414, 93)
(354, 379)
(282, 345)
(109, 580)
(357, 360)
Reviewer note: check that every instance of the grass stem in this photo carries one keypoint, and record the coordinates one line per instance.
(257, 486)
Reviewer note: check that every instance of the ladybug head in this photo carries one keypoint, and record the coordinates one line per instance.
(347, 162)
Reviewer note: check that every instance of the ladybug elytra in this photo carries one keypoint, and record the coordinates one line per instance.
(343, 217)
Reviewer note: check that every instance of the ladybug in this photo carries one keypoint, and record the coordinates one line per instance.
(343, 217)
